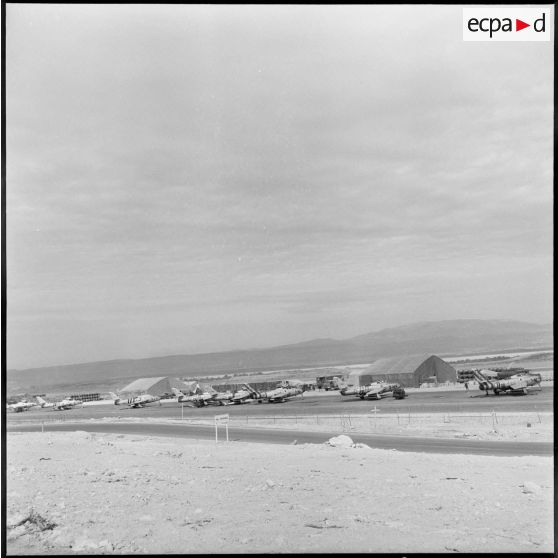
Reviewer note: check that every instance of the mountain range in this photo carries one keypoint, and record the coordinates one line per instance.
(449, 338)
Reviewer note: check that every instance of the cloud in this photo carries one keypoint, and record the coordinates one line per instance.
(197, 157)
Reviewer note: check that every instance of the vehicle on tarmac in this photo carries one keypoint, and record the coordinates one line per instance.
(375, 390)
(328, 382)
(116, 399)
(294, 383)
(143, 400)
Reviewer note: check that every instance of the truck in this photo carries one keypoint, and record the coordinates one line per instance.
(327, 382)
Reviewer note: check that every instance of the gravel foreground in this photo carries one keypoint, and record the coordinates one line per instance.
(82, 493)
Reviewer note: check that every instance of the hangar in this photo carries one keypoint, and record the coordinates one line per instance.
(155, 386)
(408, 370)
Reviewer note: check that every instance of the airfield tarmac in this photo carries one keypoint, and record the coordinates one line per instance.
(311, 403)
(249, 421)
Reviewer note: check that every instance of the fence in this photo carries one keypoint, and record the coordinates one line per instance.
(377, 421)
(371, 422)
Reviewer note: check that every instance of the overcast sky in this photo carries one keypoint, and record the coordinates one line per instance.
(185, 179)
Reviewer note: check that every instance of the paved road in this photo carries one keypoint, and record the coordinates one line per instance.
(310, 404)
(401, 443)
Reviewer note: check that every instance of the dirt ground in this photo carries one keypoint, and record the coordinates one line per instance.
(79, 493)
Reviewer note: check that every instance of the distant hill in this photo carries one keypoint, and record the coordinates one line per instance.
(451, 337)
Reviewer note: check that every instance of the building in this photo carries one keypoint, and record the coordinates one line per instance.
(155, 386)
(258, 386)
(409, 371)
(84, 397)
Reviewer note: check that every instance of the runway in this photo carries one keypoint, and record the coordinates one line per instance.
(277, 436)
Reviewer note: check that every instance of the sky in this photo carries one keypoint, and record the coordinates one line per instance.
(185, 179)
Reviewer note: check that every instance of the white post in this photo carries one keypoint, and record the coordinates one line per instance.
(182, 408)
(42, 426)
(221, 419)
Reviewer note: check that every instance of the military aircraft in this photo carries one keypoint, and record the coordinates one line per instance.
(202, 398)
(376, 390)
(66, 404)
(143, 400)
(517, 384)
(63, 405)
(245, 395)
(277, 395)
(280, 394)
(20, 406)
(532, 379)
(44, 404)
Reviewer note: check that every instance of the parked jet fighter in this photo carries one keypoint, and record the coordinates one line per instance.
(66, 404)
(143, 400)
(280, 395)
(20, 406)
(243, 395)
(515, 385)
(375, 390)
(277, 395)
(203, 398)
(44, 404)
(63, 405)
